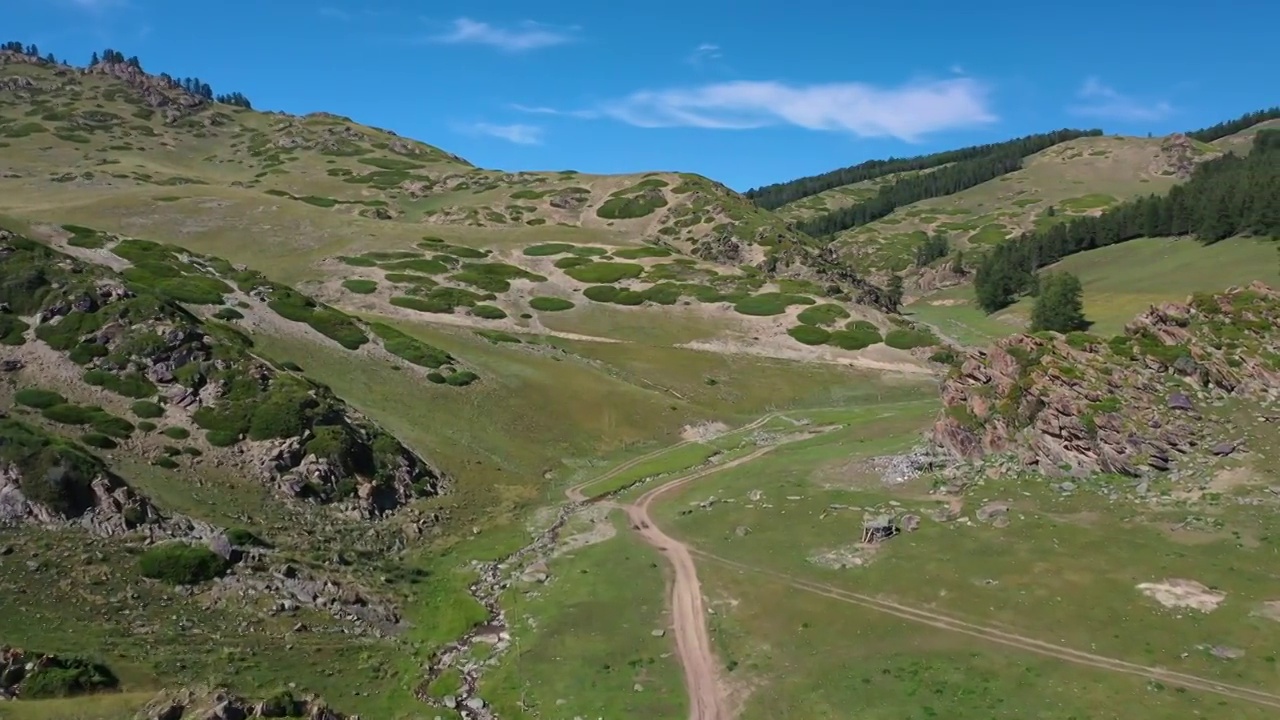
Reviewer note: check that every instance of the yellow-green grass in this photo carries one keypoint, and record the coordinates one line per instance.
(585, 640)
(1119, 282)
(106, 706)
(673, 461)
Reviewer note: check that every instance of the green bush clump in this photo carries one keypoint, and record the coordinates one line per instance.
(241, 537)
(228, 314)
(146, 425)
(641, 252)
(181, 564)
(462, 251)
(550, 304)
(193, 289)
(358, 261)
(636, 206)
(488, 312)
(440, 300)
(494, 277)
(546, 249)
(436, 378)
(99, 441)
(130, 384)
(67, 677)
(425, 266)
(166, 462)
(292, 305)
(360, 286)
(572, 261)
(409, 348)
(461, 378)
(12, 330)
(857, 335)
(527, 194)
(605, 272)
(87, 352)
(177, 433)
(38, 398)
(67, 332)
(497, 336)
(146, 409)
(221, 438)
(908, 338)
(825, 314)
(602, 293)
(809, 334)
(770, 303)
(390, 163)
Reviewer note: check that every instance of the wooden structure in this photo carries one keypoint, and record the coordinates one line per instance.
(878, 529)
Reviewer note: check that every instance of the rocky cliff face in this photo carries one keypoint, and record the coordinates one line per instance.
(1077, 404)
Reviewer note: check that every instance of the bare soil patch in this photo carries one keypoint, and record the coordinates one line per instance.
(1181, 593)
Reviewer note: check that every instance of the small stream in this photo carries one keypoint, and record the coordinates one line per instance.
(495, 578)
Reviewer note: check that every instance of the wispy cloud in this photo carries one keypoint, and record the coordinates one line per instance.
(908, 112)
(544, 110)
(704, 53)
(1099, 100)
(527, 35)
(517, 133)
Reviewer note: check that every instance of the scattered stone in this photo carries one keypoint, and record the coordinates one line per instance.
(991, 511)
(1223, 652)
(910, 523)
(659, 633)
(742, 531)
(1223, 449)
(1179, 401)
(11, 365)
(1180, 593)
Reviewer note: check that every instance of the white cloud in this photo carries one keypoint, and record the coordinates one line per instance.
(907, 112)
(526, 36)
(517, 133)
(544, 110)
(703, 53)
(1102, 101)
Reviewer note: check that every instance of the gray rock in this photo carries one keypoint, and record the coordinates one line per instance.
(659, 633)
(1223, 449)
(991, 511)
(1179, 401)
(910, 523)
(474, 704)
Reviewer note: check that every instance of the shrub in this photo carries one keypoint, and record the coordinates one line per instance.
(461, 378)
(181, 564)
(626, 208)
(601, 293)
(769, 303)
(546, 249)
(425, 266)
(497, 336)
(908, 339)
(436, 378)
(67, 677)
(130, 384)
(824, 314)
(358, 261)
(488, 312)
(410, 348)
(550, 304)
(572, 261)
(166, 462)
(229, 313)
(641, 252)
(494, 277)
(604, 272)
(12, 330)
(362, 287)
(146, 409)
(38, 398)
(809, 335)
(87, 352)
(462, 251)
(177, 433)
(99, 441)
(221, 438)
(856, 336)
(68, 414)
(245, 538)
(108, 424)
(146, 426)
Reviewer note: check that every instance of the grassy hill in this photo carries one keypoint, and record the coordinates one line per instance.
(364, 374)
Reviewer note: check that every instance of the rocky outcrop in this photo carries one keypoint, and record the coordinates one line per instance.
(160, 93)
(1078, 405)
(222, 704)
(290, 589)
(1179, 156)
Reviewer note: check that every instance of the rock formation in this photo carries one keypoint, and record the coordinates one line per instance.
(1077, 404)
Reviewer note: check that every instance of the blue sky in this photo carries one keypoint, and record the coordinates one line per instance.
(745, 92)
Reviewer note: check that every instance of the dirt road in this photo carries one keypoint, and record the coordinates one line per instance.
(1003, 637)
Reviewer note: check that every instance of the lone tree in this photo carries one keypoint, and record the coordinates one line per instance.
(1058, 305)
(895, 291)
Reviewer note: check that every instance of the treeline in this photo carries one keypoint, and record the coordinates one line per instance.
(15, 46)
(1226, 196)
(774, 196)
(192, 85)
(1001, 159)
(1230, 127)
(195, 86)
